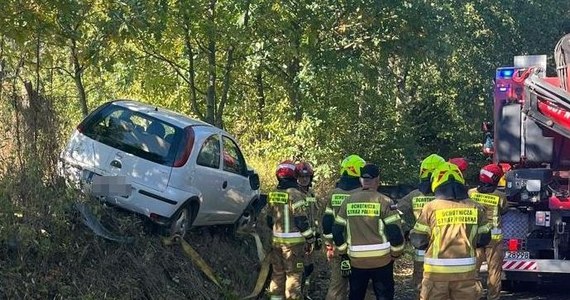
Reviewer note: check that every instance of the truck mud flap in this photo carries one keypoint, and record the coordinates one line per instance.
(91, 221)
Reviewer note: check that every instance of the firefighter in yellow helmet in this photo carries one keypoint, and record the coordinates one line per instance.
(369, 237)
(411, 206)
(495, 203)
(292, 234)
(348, 183)
(450, 228)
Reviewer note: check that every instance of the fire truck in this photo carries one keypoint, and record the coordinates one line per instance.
(530, 138)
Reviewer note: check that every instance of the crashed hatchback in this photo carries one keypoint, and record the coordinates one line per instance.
(173, 169)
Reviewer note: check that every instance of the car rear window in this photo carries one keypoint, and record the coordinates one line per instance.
(135, 133)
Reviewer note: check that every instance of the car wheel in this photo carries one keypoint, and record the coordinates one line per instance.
(181, 222)
(247, 219)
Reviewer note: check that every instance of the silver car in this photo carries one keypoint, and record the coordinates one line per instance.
(175, 170)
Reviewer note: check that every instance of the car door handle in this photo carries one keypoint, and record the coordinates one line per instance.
(117, 164)
(224, 185)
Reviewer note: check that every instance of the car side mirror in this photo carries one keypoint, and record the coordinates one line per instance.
(254, 182)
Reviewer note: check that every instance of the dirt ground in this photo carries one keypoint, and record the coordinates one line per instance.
(76, 264)
(403, 268)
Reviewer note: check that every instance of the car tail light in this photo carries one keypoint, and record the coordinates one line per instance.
(80, 127)
(542, 218)
(185, 149)
(154, 217)
(513, 245)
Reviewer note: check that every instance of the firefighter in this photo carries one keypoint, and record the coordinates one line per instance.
(450, 228)
(411, 206)
(495, 203)
(304, 172)
(368, 236)
(461, 163)
(292, 234)
(348, 183)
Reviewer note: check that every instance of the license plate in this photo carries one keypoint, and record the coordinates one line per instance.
(87, 176)
(517, 255)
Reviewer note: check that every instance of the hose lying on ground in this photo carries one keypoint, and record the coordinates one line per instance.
(194, 257)
(261, 278)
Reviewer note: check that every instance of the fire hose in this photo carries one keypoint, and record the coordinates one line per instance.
(91, 221)
(193, 255)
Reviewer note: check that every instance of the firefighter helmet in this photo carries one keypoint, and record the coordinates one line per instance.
(444, 173)
(460, 162)
(351, 165)
(491, 174)
(304, 169)
(429, 164)
(285, 169)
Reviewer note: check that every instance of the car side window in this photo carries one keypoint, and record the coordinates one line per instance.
(233, 159)
(209, 155)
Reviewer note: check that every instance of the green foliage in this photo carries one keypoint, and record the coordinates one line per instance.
(392, 81)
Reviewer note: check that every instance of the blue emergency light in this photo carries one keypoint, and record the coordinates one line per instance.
(505, 73)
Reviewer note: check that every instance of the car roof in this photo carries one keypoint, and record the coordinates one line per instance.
(163, 114)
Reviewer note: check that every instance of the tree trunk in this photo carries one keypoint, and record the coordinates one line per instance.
(226, 87)
(77, 77)
(211, 89)
(293, 69)
(294, 88)
(191, 72)
(260, 93)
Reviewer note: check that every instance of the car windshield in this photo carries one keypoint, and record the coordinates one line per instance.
(135, 133)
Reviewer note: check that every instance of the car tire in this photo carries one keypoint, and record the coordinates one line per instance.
(182, 221)
(246, 219)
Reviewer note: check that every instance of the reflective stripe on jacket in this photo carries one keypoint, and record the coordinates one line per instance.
(411, 206)
(452, 228)
(495, 203)
(334, 201)
(284, 206)
(364, 215)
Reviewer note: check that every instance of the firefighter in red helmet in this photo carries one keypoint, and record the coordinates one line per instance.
(461, 163)
(495, 204)
(292, 234)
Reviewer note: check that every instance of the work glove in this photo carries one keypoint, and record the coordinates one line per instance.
(330, 251)
(345, 268)
(310, 244)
